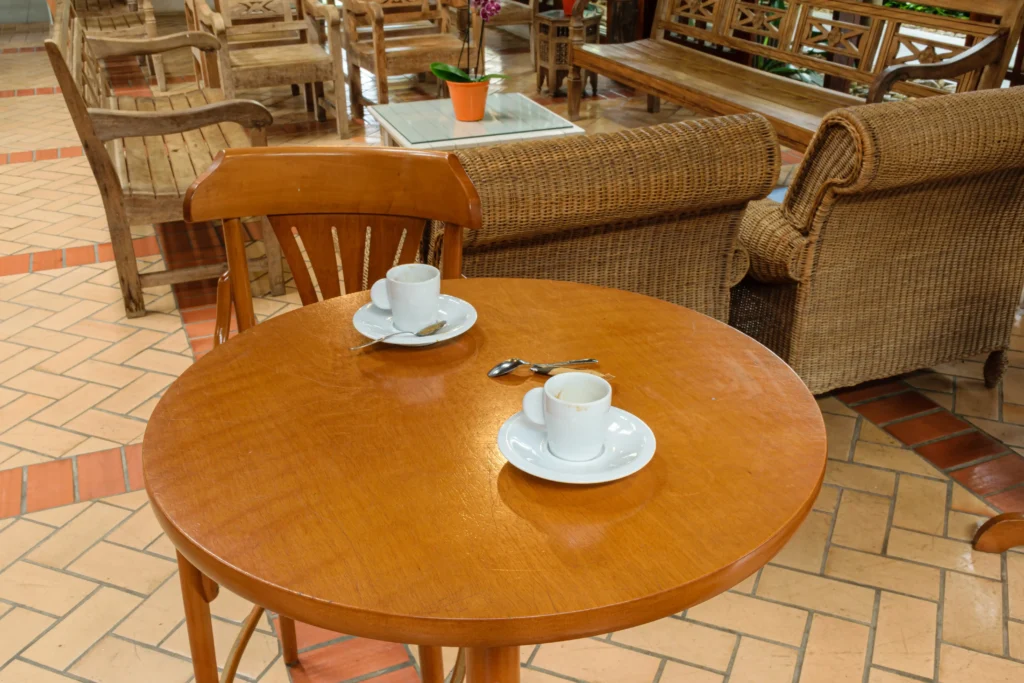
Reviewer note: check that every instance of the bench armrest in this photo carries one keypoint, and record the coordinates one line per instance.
(110, 125)
(208, 18)
(778, 252)
(328, 13)
(103, 48)
(987, 51)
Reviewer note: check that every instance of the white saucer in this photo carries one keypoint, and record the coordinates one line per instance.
(375, 322)
(628, 448)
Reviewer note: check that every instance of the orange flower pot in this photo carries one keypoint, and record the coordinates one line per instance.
(567, 6)
(469, 100)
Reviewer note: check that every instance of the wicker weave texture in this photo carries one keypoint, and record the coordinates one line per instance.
(651, 210)
(915, 256)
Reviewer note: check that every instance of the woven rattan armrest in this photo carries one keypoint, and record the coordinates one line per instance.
(777, 250)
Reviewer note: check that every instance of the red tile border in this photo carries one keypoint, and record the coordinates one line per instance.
(927, 428)
(350, 659)
(133, 460)
(75, 256)
(307, 635)
(49, 485)
(10, 492)
(1011, 501)
(39, 154)
(960, 450)
(870, 390)
(13, 50)
(100, 474)
(895, 407)
(992, 476)
(406, 675)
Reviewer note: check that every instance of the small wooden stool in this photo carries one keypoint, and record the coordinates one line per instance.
(553, 47)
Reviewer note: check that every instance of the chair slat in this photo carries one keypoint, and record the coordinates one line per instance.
(318, 239)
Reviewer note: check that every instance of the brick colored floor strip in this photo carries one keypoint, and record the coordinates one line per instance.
(983, 464)
(39, 154)
(75, 256)
(60, 482)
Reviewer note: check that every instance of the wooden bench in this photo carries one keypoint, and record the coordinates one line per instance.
(121, 19)
(146, 151)
(689, 58)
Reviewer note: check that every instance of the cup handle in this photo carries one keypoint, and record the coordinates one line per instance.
(533, 405)
(379, 294)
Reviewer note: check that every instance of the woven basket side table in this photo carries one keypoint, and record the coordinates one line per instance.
(553, 47)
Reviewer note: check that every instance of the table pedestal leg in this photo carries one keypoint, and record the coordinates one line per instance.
(492, 665)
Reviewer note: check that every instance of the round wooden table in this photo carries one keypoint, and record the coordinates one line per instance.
(363, 492)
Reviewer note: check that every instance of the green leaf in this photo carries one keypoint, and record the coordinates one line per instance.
(447, 72)
(487, 77)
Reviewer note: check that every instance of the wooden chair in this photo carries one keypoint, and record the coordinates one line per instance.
(146, 151)
(393, 194)
(386, 53)
(121, 19)
(515, 13)
(245, 62)
(899, 246)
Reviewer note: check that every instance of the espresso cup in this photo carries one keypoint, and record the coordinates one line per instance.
(573, 409)
(412, 293)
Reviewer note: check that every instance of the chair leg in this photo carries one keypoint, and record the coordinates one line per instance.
(289, 645)
(431, 664)
(308, 96)
(127, 267)
(197, 622)
(318, 96)
(575, 91)
(1000, 533)
(995, 366)
(355, 88)
(275, 265)
(653, 104)
(161, 74)
(382, 87)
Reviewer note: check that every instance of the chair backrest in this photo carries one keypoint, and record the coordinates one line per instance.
(652, 210)
(366, 208)
(849, 39)
(914, 213)
(396, 12)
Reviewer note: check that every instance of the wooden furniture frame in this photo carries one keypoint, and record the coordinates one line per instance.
(384, 53)
(391, 194)
(868, 45)
(551, 55)
(145, 151)
(244, 62)
(121, 19)
(515, 13)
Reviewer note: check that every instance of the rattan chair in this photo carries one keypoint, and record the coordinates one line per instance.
(651, 210)
(899, 246)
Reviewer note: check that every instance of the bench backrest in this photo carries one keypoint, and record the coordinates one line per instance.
(396, 12)
(845, 38)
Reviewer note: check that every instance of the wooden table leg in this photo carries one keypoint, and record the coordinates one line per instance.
(492, 664)
(198, 622)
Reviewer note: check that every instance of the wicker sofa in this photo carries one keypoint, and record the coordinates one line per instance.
(652, 210)
(899, 246)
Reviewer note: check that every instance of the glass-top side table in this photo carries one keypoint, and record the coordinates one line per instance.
(553, 39)
(431, 124)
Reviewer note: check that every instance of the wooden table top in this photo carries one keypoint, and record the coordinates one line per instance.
(364, 492)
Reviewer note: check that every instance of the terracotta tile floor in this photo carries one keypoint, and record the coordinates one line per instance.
(879, 585)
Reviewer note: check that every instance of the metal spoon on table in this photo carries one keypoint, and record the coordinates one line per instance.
(425, 332)
(507, 366)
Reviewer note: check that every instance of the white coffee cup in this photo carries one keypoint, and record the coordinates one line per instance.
(412, 293)
(573, 408)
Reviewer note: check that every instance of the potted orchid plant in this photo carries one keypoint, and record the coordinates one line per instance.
(468, 85)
